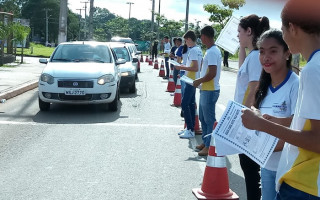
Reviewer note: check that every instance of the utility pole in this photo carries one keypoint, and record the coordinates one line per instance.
(187, 17)
(80, 17)
(91, 20)
(159, 20)
(130, 3)
(152, 17)
(62, 37)
(47, 29)
(85, 19)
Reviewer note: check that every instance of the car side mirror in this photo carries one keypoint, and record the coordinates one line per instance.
(135, 60)
(120, 61)
(43, 60)
(138, 52)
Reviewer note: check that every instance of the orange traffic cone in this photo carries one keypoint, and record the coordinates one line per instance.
(162, 72)
(156, 66)
(141, 58)
(150, 62)
(171, 86)
(177, 94)
(215, 184)
(197, 129)
(147, 60)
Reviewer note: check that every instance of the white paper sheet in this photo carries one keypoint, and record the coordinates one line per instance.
(232, 137)
(228, 38)
(187, 80)
(173, 62)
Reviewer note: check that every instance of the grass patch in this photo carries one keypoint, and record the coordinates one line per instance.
(36, 50)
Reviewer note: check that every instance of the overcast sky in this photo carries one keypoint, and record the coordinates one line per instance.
(141, 9)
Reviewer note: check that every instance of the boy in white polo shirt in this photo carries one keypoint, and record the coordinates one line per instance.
(209, 87)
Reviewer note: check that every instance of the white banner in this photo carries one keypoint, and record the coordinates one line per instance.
(228, 38)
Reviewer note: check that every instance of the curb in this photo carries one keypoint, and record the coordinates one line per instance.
(15, 91)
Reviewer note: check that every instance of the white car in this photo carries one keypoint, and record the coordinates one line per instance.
(80, 73)
(128, 70)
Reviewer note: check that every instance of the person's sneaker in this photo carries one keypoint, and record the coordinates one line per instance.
(187, 134)
(204, 152)
(181, 132)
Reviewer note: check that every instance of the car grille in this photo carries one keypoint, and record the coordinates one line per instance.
(75, 84)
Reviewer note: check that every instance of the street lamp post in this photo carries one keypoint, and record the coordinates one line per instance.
(130, 9)
(130, 3)
(187, 17)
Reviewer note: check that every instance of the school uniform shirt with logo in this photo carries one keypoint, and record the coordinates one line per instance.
(167, 49)
(299, 167)
(249, 71)
(211, 57)
(280, 102)
(195, 53)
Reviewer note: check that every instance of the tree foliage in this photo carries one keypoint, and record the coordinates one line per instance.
(35, 11)
(218, 15)
(233, 4)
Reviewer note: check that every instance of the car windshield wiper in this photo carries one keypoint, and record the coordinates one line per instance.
(89, 60)
(61, 59)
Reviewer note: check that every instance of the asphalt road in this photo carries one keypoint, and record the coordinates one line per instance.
(83, 152)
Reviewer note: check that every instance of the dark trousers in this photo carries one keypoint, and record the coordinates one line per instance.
(166, 59)
(225, 59)
(251, 171)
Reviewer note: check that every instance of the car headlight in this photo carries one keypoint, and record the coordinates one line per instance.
(129, 73)
(105, 79)
(47, 78)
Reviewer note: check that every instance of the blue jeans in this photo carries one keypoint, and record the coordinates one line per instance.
(188, 106)
(287, 192)
(268, 184)
(207, 113)
(175, 75)
(166, 59)
(183, 84)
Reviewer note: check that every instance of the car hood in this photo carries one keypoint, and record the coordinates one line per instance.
(126, 67)
(79, 70)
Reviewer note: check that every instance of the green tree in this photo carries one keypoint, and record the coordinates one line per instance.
(170, 28)
(13, 6)
(73, 26)
(233, 4)
(20, 34)
(4, 32)
(35, 11)
(117, 27)
(218, 15)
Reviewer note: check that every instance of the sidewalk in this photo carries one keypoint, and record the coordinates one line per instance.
(19, 78)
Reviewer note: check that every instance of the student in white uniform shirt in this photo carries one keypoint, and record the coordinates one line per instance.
(276, 97)
(298, 173)
(192, 70)
(249, 30)
(166, 52)
(209, 87)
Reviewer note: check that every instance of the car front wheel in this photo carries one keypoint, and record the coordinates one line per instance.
(113, 106)
(132, 89)
(44, 106)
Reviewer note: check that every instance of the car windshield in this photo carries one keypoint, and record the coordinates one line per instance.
(82, 53)
(122, 52)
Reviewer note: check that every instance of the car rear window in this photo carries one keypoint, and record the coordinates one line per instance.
(82, 53)
(121, 52)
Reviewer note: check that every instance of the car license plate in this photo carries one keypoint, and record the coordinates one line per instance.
(74, 92)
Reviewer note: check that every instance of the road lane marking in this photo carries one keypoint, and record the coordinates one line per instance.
(95, 124)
